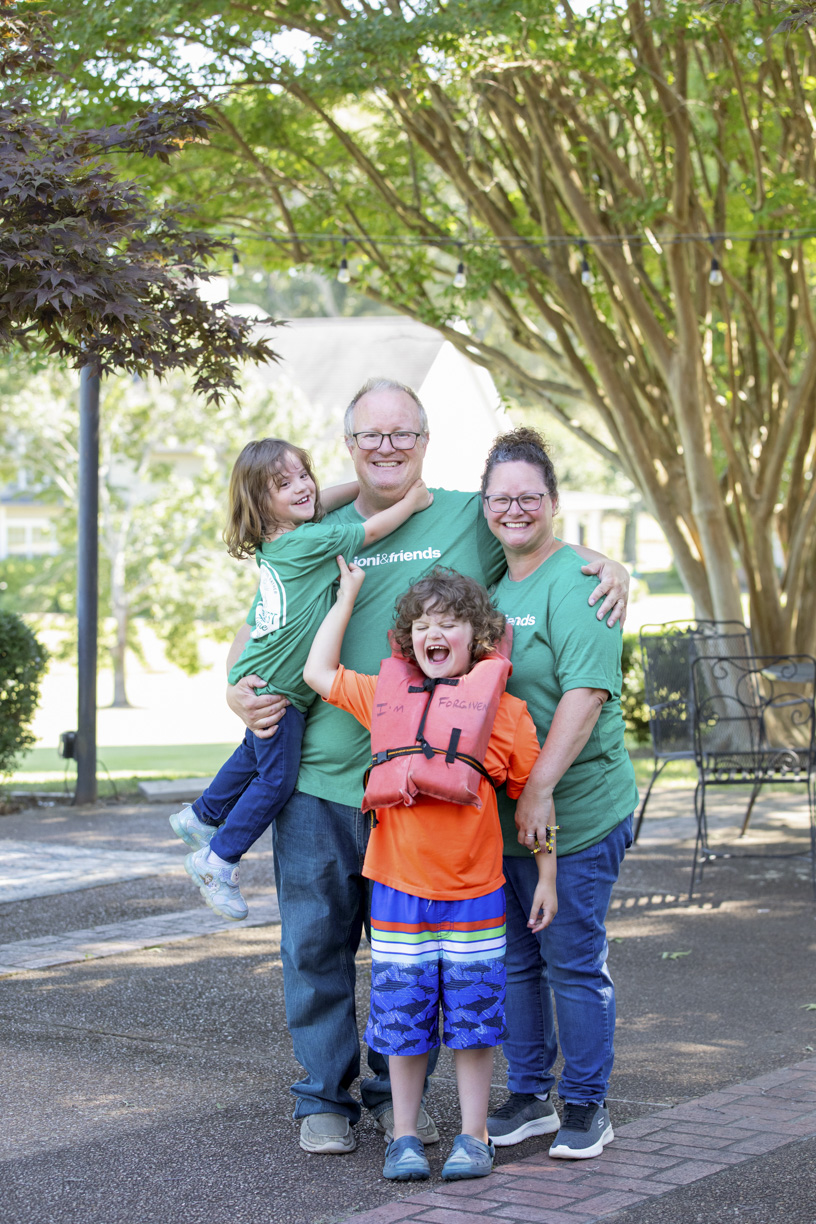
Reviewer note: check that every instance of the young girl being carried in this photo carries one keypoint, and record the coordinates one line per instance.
(275, 514)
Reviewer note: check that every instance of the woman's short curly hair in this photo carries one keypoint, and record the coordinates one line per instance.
(446, 590)
(522, 445)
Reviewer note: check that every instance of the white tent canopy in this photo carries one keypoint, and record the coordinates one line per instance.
(328, 360)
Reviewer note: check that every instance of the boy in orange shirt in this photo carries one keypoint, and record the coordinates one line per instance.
(437, 907)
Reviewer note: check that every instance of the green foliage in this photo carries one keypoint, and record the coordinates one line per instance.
(22, 665)
(165, 460)
(633, 697)
(516, 129)
(93, 272)
(27, 586)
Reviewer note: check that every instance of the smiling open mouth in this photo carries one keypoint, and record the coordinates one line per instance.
(437, 654)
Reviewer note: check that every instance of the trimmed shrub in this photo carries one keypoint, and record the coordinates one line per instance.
(22, 665)
(633, 697)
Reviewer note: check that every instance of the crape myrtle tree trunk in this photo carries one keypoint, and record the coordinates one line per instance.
(648, 129)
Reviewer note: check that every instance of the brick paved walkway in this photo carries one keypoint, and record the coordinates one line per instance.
(649, 1157)
(116, 937)
(40, 869)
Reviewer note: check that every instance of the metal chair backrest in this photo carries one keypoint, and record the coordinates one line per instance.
(669, 652)
(754, 717)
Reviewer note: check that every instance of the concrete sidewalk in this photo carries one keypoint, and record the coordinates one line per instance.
(146, 1063)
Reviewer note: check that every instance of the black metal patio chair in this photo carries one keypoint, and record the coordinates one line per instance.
(668, 652)
(753, 724)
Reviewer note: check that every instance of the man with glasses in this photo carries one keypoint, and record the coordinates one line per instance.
(320, 837)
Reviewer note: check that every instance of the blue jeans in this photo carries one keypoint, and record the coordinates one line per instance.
(252, 787)
(324, 903)
(565, 962)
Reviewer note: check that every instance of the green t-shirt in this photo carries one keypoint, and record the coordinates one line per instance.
(297, 575)
(451, 532)
(559, 644)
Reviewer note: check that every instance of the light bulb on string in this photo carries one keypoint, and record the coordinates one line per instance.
(715, 276)
(343, 274)
(460, 277)
(587, 277)
(237, 266)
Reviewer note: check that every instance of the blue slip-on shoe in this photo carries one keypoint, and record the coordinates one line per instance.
(469, 1158)
(523, 1114)
(405, 1160)
(186, 825)
(585, 1131)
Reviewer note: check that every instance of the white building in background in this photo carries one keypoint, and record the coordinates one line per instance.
(26, 526)
(327, 361)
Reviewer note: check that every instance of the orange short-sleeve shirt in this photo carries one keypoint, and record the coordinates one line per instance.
(436, 849)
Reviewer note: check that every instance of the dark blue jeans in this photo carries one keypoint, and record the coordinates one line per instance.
(566, 962)
(324, 902)
(252, 787)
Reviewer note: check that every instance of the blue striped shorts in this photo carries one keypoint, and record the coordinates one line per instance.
(426, 953)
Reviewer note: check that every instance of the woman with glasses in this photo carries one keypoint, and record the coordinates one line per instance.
(567, 668)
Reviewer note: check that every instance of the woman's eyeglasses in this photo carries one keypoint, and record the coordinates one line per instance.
(499, 502)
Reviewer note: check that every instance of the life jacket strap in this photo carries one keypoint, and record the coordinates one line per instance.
(428, 686)
(450, 754)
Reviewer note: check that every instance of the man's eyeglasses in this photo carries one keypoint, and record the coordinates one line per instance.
(403, 439)
(499, 502)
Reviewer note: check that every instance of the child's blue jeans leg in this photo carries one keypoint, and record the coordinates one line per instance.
(229, 783)
(263, 773)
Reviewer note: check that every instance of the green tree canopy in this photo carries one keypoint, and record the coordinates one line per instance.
(92, 270)
(521, 131)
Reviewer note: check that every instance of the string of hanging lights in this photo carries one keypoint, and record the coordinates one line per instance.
(716, 277)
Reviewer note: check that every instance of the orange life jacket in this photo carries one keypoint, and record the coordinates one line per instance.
(450, 720)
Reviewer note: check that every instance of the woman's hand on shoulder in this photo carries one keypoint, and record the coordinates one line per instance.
(613, 588)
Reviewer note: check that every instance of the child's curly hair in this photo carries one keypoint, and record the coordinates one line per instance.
(446, 590)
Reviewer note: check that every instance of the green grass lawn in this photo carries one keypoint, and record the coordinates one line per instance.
(121, 770)
(43, 769)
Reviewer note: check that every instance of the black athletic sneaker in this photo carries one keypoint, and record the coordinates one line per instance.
(523, 1114)
(585, 1131)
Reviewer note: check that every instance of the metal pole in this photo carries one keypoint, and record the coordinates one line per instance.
(87, 585)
